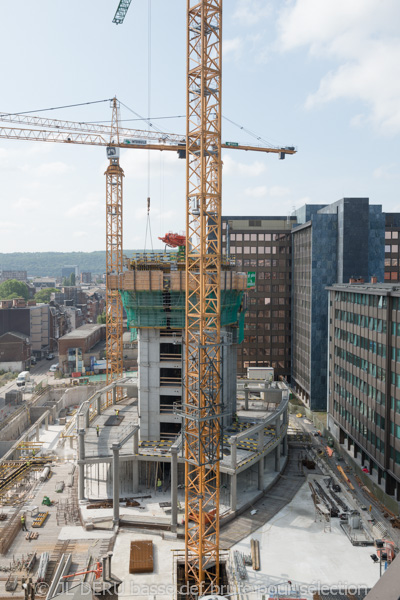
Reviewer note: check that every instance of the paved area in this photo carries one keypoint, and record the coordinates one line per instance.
(294, 548)
(273, 501)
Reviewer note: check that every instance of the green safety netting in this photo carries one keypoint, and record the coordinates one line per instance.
(161, 309)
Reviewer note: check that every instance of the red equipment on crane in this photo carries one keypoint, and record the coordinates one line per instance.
(173, 240)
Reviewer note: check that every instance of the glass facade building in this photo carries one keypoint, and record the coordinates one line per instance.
(331, 244)
(364, 377)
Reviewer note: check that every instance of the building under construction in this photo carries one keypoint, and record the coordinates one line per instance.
(254, 417)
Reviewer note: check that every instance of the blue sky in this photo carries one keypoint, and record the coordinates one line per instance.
(321, 75)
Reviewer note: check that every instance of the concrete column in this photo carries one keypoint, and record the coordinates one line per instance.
(46, 421)
(37, 432)
(98, 404)
(285, 445)
(233, 494)
(135, 475)
(114, 395)
(260, 440)
(71, 442)
(246, 397)
(174, 488)
(261, 473)
(115, 449)
(233, 443)
(278, 458)
(136, 442)
(81, 464)
(87, 422)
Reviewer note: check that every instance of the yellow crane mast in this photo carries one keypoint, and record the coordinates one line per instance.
(114, 257)
(202, 425)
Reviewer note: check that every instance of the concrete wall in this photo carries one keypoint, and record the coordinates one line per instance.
(15, 367)
(149, 388)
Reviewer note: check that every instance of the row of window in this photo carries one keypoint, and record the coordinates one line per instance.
(395, 430)
(395, 455)
(391, 235)
(361, 385)
(262, 262)
(363, 299)
(275, 314)
(267, 339)
(258, 237)
(261, 314)
(260, 250)
(370, 323)
(361, 363)
(367, 389)
(266, 351)
(391, 248)
(361, 428)
(361, 342)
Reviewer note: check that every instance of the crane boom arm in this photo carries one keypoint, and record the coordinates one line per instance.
(121, 11)
(146, 141)
(98, 131)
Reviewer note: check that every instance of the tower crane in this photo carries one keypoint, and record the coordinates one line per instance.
(112, 137)
(202, 431)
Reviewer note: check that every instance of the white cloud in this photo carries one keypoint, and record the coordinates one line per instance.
(279, 191)
(8, 226)
(26, 204)
(232, 167)
(135, 162)
(256, 192)
(53, 168)
(84, 209)
(251, 12)
(232, 48)
(385, 172)
(361, 36)
(79, 234)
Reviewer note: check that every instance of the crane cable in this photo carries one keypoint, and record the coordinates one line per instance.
(148, 223)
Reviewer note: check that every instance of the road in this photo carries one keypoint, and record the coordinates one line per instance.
(38, 372)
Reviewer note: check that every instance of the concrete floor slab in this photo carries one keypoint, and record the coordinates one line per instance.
(78, 533)
(142, 586)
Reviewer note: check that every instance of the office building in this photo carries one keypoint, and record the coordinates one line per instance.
(392, 257)
(262, 245)
(364, 377)
(331, 244)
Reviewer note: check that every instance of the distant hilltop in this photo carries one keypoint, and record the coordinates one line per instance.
(41, 264)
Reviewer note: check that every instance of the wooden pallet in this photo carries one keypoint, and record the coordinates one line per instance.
(32, 535)
(40, 519)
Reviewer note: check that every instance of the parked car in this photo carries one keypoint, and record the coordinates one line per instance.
(33, 360)
(50, 356)
(53, 368)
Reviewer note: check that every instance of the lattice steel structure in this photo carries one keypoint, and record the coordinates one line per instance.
(114, 257)
(202, 426)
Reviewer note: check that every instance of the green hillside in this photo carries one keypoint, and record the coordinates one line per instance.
(50, 263)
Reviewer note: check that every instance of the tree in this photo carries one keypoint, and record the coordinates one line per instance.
(101, 319)
(12, 288)
(70, 281)
(44, 295)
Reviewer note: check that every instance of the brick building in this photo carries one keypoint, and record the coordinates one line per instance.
(263, 245)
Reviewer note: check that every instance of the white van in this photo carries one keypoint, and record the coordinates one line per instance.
(23, 378)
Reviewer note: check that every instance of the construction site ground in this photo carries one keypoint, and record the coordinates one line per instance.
(61, 530)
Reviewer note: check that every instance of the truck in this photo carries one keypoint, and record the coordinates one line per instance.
(23, 378)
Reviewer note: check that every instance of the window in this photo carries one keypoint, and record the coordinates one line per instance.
(253, 237)
(246, 237)
(388, 235)
(260, 237)
(239, 237)
(246, 250)
(233, 237)
(387, 248)
(395, 249)
(395, 235)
